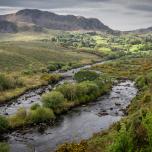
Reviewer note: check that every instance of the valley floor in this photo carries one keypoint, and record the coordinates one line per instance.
(28, 61)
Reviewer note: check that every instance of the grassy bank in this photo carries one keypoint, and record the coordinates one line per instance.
(15, 84)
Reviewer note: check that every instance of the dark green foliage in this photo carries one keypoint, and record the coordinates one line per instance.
(84, 91)
(69, 91)
(116, 55)
(149, 78)
(147, 97)
(65, 68)
(76, 40)
(3, 124)
(9, 83)
(140, 82)
(147, 123)
(88, 88)
(4, 83)
(144, 80)
(40, 115)
(123, 141)
(86, 75)
(51, 78)
(53, 66)
(4, 147)
(53, 100)
(35, 106)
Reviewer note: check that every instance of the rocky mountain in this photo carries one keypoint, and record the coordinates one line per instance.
(33, 19)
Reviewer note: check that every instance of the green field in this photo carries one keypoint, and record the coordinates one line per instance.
(22, 51)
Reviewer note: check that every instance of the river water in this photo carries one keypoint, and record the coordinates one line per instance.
(79, 123)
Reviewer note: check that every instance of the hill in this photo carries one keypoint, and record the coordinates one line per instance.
(28, 18)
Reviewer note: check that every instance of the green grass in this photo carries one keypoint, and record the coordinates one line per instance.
(26, 55)
(4, 147)
(21, 55)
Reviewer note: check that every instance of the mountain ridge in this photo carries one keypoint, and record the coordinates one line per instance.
(45, 19)
(38, 20)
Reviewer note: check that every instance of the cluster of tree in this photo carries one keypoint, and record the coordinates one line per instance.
(75, 40)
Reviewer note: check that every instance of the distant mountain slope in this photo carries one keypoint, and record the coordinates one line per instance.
(140, 31)
(146, 30)
(44, 19)
(8, 27)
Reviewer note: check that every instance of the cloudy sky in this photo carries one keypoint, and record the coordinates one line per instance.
(117, 14)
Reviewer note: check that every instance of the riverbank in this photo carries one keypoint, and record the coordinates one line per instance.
(134, 130)
(30, 83)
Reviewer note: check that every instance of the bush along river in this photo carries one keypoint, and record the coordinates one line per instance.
(77, 124)
(34, 96)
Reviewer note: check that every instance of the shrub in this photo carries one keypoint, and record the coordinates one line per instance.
(53, 100)
(65, 68)
(87, 88)
(4, 125)
(83, 91)
(123, 141)
(149, 77)
(4, 147)
(73, 147)
(19, 119)
(35, 106)
(52, 67)
(147, 97)
(40, 115)
(85, 75)
(147, 122)
(21, 113)
(140, 82)
(51, 78)
(9, 83)
(5, 83)
(69, 91)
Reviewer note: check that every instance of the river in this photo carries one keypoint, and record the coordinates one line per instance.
(78, 124)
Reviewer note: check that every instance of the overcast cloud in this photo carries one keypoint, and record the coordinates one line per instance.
(117, 14)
